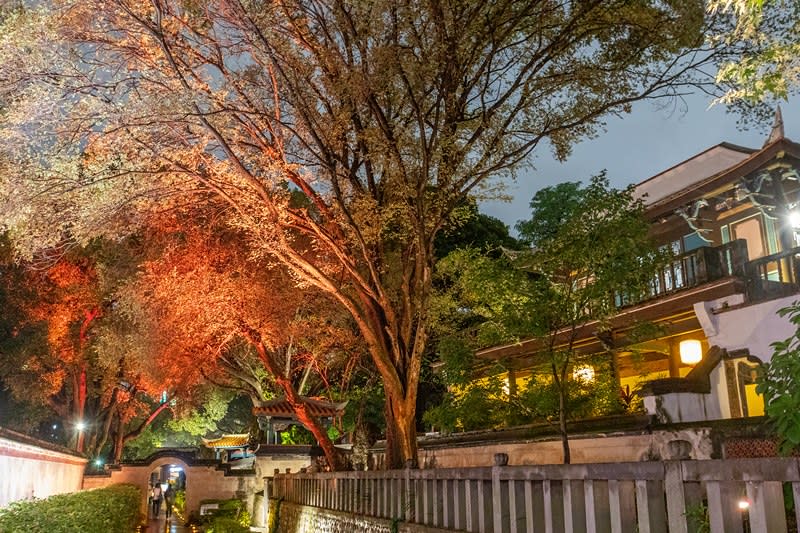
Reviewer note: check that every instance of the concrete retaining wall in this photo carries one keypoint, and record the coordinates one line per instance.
(602, 448)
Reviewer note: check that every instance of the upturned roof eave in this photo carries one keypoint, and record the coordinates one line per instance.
(756, 160)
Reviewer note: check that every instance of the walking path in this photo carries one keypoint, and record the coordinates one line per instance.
(164, 525)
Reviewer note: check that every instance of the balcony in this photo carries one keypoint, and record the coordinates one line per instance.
(765, 278)
(773, 276)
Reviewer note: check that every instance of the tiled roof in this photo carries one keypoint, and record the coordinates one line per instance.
(228, 441)
(283, 409)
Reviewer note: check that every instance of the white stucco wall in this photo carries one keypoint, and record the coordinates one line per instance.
(203, 481)
(753, 327)
(583, 449)
(28, 471)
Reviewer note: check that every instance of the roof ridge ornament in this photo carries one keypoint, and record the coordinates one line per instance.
(777, 132)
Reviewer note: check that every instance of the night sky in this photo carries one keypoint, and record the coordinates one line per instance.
(637, 146)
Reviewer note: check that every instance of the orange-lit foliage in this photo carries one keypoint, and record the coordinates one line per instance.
(64, 353)
(224, 317)
(386, 116)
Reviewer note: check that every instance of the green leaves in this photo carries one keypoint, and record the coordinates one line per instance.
(114, 509)
(588, 242)
(779, 382)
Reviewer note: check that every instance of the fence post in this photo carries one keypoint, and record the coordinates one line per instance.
(676, 497)
(410, 496)
(266, 502)
(766, 512)
(500, 460)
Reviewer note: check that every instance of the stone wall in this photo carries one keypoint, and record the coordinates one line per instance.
(604, 448)
(304, 519)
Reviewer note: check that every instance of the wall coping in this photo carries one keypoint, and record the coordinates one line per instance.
(17, 444)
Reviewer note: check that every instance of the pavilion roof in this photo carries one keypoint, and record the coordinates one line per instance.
(281, 408)
(228, 441)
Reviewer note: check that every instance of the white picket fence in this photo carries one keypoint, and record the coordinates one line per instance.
(731, 496)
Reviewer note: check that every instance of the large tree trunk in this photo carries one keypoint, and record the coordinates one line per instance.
(80, 409)
(121, 437)
(108, 414)
(119, 443)
(81, 385)
(405, 420)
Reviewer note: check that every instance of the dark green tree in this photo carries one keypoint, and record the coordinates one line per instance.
(587, 243)
(779, 382)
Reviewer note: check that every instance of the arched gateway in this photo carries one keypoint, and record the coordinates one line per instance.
(205, 479)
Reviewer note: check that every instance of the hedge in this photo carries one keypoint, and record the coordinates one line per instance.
(230, 517)
(114, 509)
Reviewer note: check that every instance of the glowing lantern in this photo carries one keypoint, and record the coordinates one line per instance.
(691, 352)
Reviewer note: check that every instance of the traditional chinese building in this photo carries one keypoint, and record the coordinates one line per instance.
(731, 217)
(277, 415)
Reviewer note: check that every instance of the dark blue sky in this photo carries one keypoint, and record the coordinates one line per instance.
(638, 146)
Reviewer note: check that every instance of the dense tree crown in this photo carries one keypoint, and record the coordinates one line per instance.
(341, 134)
(589, 243)
(68, 348)
(768, 67)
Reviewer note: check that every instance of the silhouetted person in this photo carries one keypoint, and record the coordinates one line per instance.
(169, 499)
(156, 494)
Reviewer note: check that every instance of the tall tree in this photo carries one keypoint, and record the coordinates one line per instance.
(385, 114)
(68, 349)
(588, 244)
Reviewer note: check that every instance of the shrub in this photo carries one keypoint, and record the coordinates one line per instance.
(113, 509)
(180, 501)
(230, 517)
(225, 524)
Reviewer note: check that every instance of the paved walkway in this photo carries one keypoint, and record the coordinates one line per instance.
(162, 525)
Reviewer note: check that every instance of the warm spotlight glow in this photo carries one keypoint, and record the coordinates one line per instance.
(691, 352)
(744, 505)
(80, 426)
(583, 373)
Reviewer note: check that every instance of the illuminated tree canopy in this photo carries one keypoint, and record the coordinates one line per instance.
(342, 135)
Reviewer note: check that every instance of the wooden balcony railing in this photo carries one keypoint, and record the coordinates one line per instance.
(774, 276)
(692, 269)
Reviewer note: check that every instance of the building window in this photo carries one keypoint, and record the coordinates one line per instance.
(693, 241)
(726, 234)
(751, 231)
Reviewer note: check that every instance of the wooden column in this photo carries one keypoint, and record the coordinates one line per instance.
(674, 358)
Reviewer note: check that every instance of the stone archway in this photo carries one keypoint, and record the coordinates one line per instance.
(206, 479)
(157, 464)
